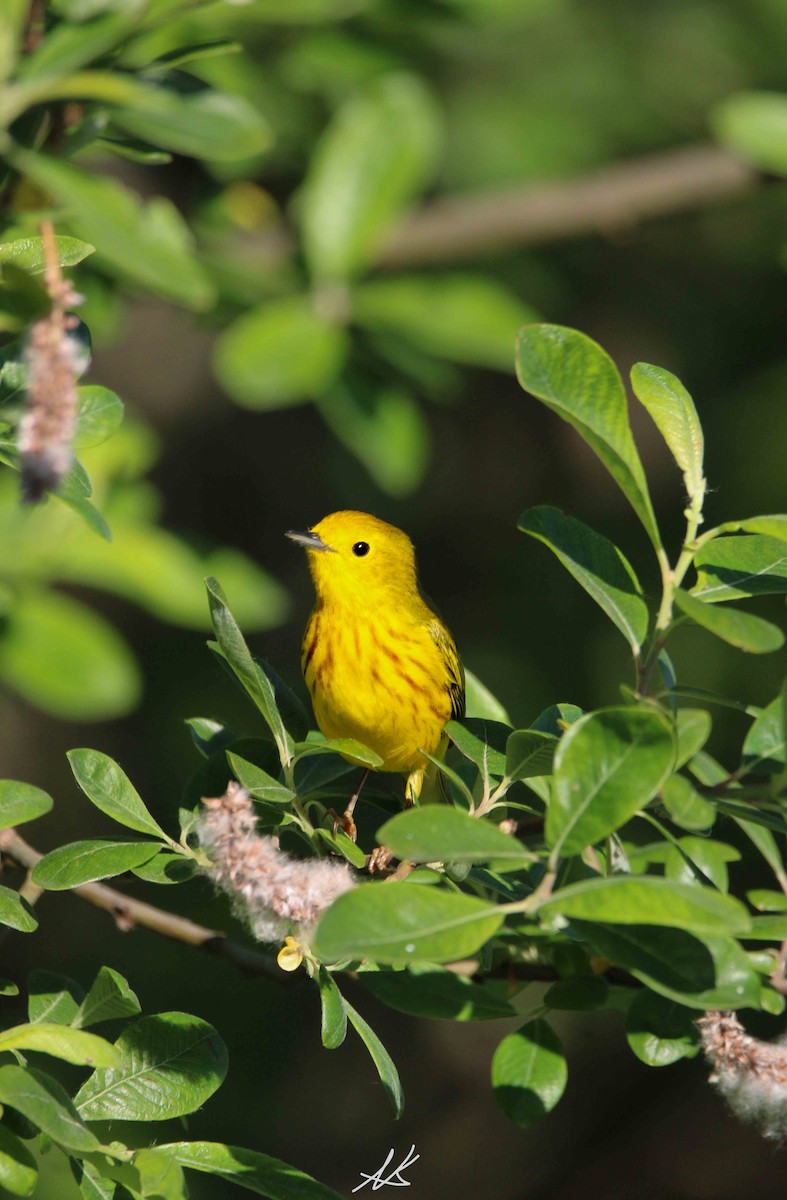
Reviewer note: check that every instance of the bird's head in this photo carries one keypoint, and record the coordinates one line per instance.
(357, 558)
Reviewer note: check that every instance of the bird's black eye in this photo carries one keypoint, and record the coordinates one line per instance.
(360, 549)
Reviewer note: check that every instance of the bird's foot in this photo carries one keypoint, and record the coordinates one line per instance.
(379, 860)
(344, 822)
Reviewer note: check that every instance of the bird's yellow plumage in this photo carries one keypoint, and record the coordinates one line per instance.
(380, 665)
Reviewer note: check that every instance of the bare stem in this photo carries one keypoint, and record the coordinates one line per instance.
(128, 914)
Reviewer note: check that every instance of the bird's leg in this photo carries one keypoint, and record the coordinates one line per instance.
(381, 856)
(415, 781)
(346, 820)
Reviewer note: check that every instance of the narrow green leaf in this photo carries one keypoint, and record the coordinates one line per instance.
(386, 1069)
(280, 354)
(257, 782)
(729, 568)
(60, 1041)
(693, 729)
(99, 415)
(44, 1102)
(659, 1031)
(761, 837)
(763, 746)
(772, 928)
(767, 901)
(529, 1073)
(465, 318)
(15, 912)
(754, 125)
(529, 753)
(675, 417)
(707, 971)
(578, 380)
(333, 1023)
(349, 748)
(404, 922)
(374, 156)
(738, 628)
(166, 868)
(172, 1063)
(52, 997)
(597, 564)
(772, 525)
(483, 742)
(149, 244)
(608, 765)
(685, 805)
(437, 833)
(648, 899)
(338, 842)
(27, 253)
(426, 990)
(111, 790)
(109, 997)
(82, 862)
(258, 1173)
(480, 702)
(18, 1170)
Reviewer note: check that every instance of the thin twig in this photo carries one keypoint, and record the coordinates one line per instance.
(609, 202)
(128, 914)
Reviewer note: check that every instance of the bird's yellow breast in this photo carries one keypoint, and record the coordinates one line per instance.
(382, 682)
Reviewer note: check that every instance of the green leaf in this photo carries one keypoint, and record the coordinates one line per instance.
(111, 790)
(204, 124)
(258, 1173)
(761, 837)
(160, 1175)
(70, 1045)
(738, 628)
(386, 1069)
(768, 929)
(437, 833)
(280, 354)
(172, 1063)
(688, 860)
(673, 412)
(386, 430)
(602, 570)
(375, 155)
(557, 718)
(483, 742)
(250, 675)
(648, 899)
(659, 1031)
(99, 415)
(426, 990)
(708, 971)
(339, 843)
(165, 868)
(469, 319)
(257, 782)
(15, 912)
(578, 993)
(772, 525)
(20, 802)
(44, 1102)
(754, 125)
(529, 1073)
(529, 753)
(109, 997)
(404, 922)
(333, 1024)
(82, 862)
(27, 253)
(480, 702)
(18, 1170)
(64, 658)
(608, 765)
(578, 380)
(356, 752)
(767, 900)
(53, 997)
(693, 729)
(149, 244)
(732, 567)
(685, 805)
(763, 746)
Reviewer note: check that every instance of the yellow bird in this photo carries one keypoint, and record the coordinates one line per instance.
(380, 666)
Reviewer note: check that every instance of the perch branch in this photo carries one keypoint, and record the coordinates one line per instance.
(609, 202)
(128, 913)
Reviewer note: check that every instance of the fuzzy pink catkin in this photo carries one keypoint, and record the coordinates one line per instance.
(46, 431)
(275, 894)
(750, 1074)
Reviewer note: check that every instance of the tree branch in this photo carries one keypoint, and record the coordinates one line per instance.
(609, 202)
(128, 913)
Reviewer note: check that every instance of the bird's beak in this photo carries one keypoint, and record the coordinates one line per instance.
(309, 539)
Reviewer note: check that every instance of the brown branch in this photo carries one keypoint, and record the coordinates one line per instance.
(128, 914)
(609, 202)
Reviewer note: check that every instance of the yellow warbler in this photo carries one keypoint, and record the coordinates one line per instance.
(380, 666)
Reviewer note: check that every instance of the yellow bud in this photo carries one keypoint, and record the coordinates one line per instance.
(290, 956)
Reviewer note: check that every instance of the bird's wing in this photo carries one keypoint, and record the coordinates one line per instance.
(455, 683)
